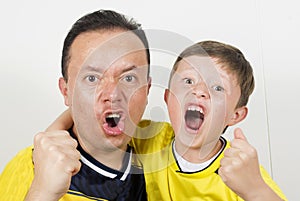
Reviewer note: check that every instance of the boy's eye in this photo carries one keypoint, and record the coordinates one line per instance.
(188, 81)
(218, 88)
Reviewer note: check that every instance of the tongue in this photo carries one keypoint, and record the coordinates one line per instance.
(112, 122)
(116, 130)
(193, 120)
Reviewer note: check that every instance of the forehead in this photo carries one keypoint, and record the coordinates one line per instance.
(203, 66)
(208, 68)
(105, 47)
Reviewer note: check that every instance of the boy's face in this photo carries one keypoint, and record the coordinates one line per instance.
(107, 88)
(202, 100)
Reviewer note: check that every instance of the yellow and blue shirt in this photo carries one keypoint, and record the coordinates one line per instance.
(94, 181)
(164, 178)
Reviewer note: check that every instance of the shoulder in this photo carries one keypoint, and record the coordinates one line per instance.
(154, 125)
(17, 173)
(22, 160)
(148, 129)
(151, 135)
(271, 183)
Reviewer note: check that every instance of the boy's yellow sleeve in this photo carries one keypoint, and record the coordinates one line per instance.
(271, 183)
(16, 178)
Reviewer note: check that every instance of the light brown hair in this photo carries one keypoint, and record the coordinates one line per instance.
(229, 56)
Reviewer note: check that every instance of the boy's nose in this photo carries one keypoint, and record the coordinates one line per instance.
(200, 90)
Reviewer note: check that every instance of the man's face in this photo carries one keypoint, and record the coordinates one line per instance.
(201, 101)
(107, 88)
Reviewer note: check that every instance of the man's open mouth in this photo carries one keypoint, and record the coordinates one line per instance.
(113, 119)
(114, 123)
(194, 117)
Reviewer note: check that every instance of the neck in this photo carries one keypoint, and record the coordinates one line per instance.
(108, 156)
(198, 154)
(112, 159)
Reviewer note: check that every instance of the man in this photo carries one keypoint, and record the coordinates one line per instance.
(105, 67)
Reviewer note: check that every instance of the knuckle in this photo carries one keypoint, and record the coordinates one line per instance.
(53, 149)
(222, 162)
(226, 170)
(78, 164)
(238, 164)
(38, 137)
(252, 152)
(64, 132)
(78, 156)
(227, 152)
(233, 143)
(74, 143)
(61, 157)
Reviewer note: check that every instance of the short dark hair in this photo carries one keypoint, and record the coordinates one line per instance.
(101, 20)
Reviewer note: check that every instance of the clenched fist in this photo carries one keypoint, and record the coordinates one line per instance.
(240, 169)
(56, 160)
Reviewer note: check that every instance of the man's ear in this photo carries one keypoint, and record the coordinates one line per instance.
(149, 84)
(166, 95)
(64, 90)
(239, 115)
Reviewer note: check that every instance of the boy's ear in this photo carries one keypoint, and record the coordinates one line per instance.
(166, 95)
(64, 90)
(239, 115)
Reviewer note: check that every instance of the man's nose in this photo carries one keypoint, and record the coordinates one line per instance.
(200, 90)
(110, 91)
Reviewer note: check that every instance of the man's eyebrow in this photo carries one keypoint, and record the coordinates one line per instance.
(92, 68)
(129, 68)
(101, 70)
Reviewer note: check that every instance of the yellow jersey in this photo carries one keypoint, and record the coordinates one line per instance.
(164, 178)
(94, 181)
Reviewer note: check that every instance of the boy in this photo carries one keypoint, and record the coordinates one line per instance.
(209, 88)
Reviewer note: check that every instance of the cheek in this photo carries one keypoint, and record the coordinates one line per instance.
(219, 115)
(84, 102)
(137, 103)
(175, 112)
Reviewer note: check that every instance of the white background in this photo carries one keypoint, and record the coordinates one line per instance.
(32, 33)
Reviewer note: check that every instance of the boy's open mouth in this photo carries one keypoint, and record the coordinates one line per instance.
(194, 117)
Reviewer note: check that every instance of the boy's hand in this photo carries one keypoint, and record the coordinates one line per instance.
(240, 167)
(56, 160)
(63, 122)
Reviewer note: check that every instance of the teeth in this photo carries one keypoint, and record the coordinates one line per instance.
(195, 108)
(113, 116)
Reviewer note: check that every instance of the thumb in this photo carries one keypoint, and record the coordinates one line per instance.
(238, 134)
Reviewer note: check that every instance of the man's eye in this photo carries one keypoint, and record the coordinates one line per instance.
(129, 78)
(188, 81)
(91, 78)
(218, 88)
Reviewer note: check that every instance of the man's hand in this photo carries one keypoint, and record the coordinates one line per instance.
(56, 160)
